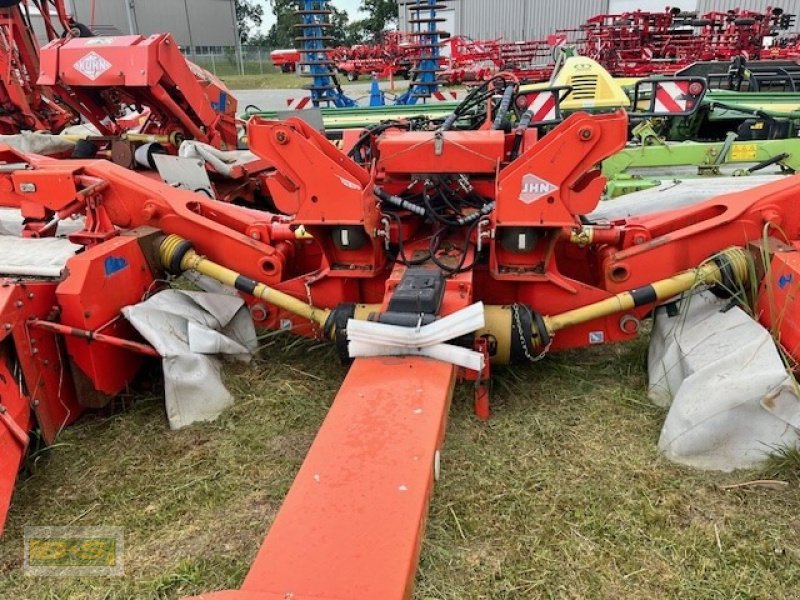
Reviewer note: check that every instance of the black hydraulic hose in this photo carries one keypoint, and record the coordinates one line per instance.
(461, 221)
(505, 104)
(401, 246)
(519, 134)
(450, 121)
(463, 105)
(447, 200)
(426, 199)
(428, 211)
(399, 202)
(433, 247)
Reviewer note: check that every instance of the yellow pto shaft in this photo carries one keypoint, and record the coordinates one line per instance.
(177, 255)
(728, 265)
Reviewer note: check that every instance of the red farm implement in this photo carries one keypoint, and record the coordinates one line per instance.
(428, 252)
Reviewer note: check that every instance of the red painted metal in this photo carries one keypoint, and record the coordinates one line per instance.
(102, 280)
(94, 336)
(102, 75)
(24, 105)
(347, 529)
(15, 422)
(363, 491)
(779, 302)
(391, 55)
(632, 44)
(35, 378)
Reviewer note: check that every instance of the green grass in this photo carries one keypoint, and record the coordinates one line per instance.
(273, 79)
(269, 81)
(561, 495)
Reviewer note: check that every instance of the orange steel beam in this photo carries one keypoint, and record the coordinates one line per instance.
(352, 524)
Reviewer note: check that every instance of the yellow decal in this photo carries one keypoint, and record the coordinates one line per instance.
(741, 152)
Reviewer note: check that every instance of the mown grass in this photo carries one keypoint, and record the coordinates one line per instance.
(561, 495)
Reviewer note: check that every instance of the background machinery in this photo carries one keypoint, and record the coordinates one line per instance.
(125, 87)
(25, 105)
(315, 60)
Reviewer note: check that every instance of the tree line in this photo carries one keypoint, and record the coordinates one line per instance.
(250, 16)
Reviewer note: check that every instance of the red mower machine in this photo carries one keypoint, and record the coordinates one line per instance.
(428, 252)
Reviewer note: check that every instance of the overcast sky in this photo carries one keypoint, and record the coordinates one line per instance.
(351, 6)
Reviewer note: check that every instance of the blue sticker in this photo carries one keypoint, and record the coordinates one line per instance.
(597, 337)
(222, 104)
(114, 264)
(785, 280)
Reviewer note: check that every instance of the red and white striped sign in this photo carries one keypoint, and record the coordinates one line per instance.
(301, 103)
(297, 103)
(544, 106)
(443, 96)
(671, 96)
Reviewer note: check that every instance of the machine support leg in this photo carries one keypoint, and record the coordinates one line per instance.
(352, 524)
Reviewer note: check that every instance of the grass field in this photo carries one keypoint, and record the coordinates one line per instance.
(561, 495)
(275, 80)
(269, 81)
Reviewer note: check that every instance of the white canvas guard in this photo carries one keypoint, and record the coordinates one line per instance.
(223, 161)
(40, 257)
(731, 400)
(38, 143)
(191, 330)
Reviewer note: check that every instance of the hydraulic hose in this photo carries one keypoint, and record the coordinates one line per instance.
(505, 104)
(399, 202)
(519, 134)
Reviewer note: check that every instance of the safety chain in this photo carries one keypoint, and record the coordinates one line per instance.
(523, 342)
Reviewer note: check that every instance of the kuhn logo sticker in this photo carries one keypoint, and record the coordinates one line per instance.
(534, 187)
(92, 65)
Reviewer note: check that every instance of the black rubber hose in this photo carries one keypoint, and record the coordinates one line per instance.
(519, 134)
(466, 103)
(505, 104)
(399, 202)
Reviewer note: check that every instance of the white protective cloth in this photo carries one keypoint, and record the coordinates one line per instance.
(44, 144)
(189, 330)
(11, 224)
(223, 161)
(36, 257)
(379, 339)
(731, 400)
